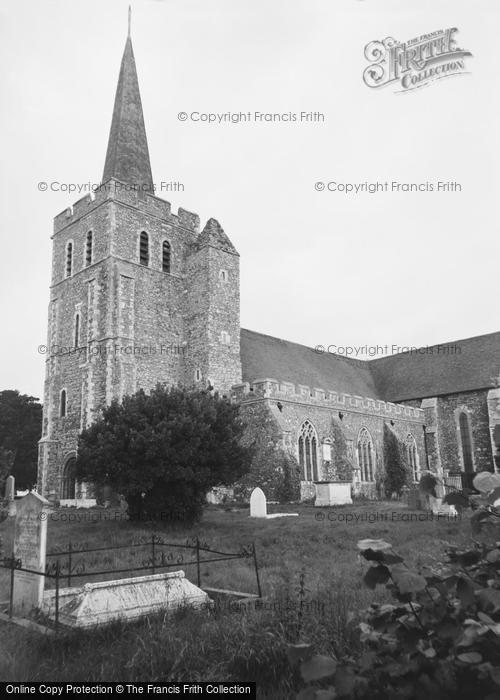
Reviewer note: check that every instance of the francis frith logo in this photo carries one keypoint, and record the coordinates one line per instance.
(416, 62)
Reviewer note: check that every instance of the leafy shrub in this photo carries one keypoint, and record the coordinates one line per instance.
(441, 637)
(397, 471)
(342, 463)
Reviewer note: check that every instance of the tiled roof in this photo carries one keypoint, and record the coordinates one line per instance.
(449, 368)
(263, 356)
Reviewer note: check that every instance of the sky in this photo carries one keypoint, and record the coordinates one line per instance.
(317, 267)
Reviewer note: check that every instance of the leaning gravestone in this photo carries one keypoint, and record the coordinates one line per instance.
(30, 539)
(258, 504)
(10, 492)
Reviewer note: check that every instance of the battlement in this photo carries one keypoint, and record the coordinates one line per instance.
(117, 191)
(287, 391)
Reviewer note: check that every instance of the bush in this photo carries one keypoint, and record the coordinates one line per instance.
(342, 463)
(397, 472)
(164, 451)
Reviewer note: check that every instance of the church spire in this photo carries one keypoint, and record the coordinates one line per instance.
(127, 157)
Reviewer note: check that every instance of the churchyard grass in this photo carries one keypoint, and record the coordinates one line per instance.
(227, 645)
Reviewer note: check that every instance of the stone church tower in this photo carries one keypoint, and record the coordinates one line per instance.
(138, 296)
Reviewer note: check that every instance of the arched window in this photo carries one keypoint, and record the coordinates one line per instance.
(69, 258)
(465, 438)
(308, 452)
(412, 456)
(77, 330)
(62, 404)
(366, 459)
(88, 249)
(68, 480)
(144, 249)
(223, 275)
(166, 256)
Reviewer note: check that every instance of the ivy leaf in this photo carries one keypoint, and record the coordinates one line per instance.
(318, 667)
(467, 558)
(465, 592)
(470, 657)
(494, 495)
(375, 545)
(494, 556)
(382, 557)
(298, 652)
(456, 499)
(429, 653)
(408, 582)
(489, 599)
(486, 481)
(376, 575)
(485, 618)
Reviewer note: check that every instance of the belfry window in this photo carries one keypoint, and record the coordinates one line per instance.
(69, 258)
(366, 455)
(144, 249)
(308, 451)
(88, 249)
(62, 404)
(166, 256)
(412, 456)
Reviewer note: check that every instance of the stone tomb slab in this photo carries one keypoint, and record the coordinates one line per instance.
(30, 543)
(124, 599)
(333, 493)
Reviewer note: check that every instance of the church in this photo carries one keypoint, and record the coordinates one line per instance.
(140, 295)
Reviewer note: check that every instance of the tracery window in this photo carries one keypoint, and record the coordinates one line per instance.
(308, 451)
(412, 455)
(465, 438)
(366, 456)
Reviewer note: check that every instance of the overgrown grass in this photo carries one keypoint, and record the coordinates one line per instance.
(227, 645)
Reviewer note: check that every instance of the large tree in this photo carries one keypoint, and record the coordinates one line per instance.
(172, 445)
(20, 430)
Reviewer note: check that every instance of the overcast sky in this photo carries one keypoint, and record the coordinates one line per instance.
(316, 267)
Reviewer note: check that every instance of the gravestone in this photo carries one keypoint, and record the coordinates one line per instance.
(10, 492)
(258, 504)
(10, 485)
(30, 540)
